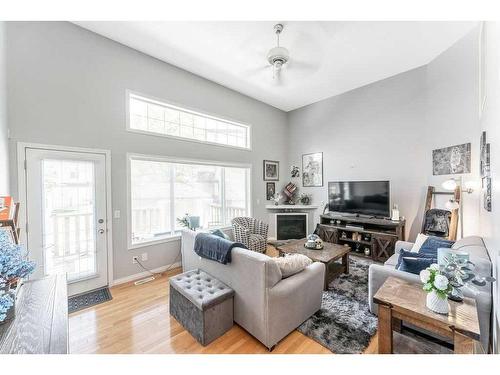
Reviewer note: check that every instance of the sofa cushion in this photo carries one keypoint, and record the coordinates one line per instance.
(431, 245)
(415, 265)
(411, 255)
(419, 241)
(219, 233)
(290, 264)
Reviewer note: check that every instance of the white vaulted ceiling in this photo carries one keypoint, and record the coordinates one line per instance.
(326, 58)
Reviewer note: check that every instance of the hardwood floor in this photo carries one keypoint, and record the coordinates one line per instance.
(137, 320)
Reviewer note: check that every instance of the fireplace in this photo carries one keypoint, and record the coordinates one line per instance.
(291, 225)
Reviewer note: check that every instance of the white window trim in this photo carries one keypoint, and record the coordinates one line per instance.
(185, 109)
(172, 159)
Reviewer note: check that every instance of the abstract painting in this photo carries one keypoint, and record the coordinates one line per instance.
(312, 169)
(487, 193)
(451, 160)
(271, 170)
(484, 157)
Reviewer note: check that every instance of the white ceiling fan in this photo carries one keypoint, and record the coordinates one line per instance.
(278, 56)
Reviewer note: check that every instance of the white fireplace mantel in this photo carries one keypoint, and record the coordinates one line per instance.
(291, 207)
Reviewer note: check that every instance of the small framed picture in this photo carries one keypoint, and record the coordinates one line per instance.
(271, 170)
(270, 190)
(312, 169)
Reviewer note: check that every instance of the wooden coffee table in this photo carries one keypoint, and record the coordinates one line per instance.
(328, 256)
(399, 300)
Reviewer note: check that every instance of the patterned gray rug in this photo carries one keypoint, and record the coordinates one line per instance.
(344, 324)
(91, 298)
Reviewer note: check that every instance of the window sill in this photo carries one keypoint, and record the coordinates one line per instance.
(176, 237)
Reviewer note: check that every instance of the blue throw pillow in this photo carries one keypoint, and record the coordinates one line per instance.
(219, 233)
(431, 245)
(415, 265)
(413, 255)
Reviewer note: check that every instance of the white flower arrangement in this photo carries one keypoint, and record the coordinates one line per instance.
(276, 198)
(434, 281)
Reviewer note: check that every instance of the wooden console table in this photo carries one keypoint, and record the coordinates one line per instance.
(378, 235)
(41, 322)
(399, 300)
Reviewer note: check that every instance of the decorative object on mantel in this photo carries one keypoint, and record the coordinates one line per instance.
(294, 171)
(459, 270)
(305, 199)
(312, 169)
(271, 170)
(451, 160)
(437, 287)
(13, 267)
(290, 191)
(276, 198)
(190, 222)
(270, 190)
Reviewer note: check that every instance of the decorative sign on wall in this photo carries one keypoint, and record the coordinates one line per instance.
(312, 169)
(294, 171)
(271, 170)
(484, 170)
(451, 160)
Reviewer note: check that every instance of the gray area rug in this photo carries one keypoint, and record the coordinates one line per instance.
(92, 298)
(344, 324)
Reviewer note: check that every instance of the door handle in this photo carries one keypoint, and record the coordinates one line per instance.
(101, 231)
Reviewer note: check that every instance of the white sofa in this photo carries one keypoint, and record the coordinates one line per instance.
(478, 255)
(265, 305)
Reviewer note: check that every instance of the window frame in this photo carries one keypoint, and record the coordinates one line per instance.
(176, 160)
(183, 108)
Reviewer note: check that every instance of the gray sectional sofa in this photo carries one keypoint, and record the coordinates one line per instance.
(265, 305)
(478, 255)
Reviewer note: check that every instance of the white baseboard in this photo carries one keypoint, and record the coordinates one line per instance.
(143, 274)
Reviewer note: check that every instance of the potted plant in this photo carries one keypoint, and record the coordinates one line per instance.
(14, 266)
(437, 287)
(190, 222)
(305, 199)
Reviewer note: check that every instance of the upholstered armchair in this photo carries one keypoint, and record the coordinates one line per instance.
(250, 232)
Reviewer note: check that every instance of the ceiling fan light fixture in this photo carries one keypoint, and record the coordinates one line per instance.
(278, 56)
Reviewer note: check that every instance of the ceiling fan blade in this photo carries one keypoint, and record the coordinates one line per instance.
(298, 64)
(256, 70)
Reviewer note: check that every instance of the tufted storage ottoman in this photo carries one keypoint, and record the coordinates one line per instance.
(202, 304)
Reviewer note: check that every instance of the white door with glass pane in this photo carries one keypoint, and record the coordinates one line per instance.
(66, 211)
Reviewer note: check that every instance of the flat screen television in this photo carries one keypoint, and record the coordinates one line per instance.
(371, 198)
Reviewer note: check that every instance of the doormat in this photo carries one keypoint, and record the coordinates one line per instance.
(92, 298)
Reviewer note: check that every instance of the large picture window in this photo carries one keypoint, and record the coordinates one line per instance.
(162, 190)
(151, 116)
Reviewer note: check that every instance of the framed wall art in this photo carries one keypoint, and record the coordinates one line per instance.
(312, 169)
(271, 170)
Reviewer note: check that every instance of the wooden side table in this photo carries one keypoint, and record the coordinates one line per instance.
(399, 300)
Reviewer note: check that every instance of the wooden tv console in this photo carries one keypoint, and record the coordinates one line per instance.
(377, 235)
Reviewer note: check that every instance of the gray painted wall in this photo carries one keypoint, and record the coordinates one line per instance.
(453, 114)
(490, 221)
(4, 142)
(388, 129)
(67, 85)
(371, 133)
